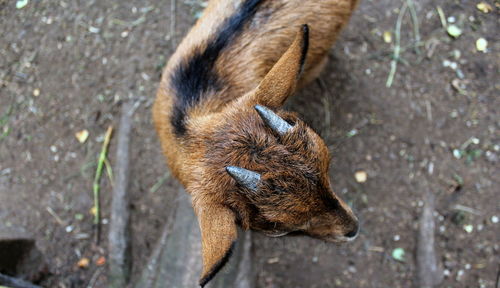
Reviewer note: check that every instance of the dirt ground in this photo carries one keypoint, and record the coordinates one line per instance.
(66, 66)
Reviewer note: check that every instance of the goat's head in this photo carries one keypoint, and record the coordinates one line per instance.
(272, 168)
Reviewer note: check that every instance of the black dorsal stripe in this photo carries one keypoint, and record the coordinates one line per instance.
(196, 76)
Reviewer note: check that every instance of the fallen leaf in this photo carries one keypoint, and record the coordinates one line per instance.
(398, 254)
(361, 176)
(454, 31)
(82, 136)
(100, 261)
(83, 263)
(387, 36)
(481, 44)
(21, 3)
(484, 7)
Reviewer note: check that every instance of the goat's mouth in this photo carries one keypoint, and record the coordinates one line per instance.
(331, 238)
(275, 234)
(339, 239)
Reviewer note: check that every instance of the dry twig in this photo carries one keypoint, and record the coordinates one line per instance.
(428, 272)
(119, 262)
(15, 282)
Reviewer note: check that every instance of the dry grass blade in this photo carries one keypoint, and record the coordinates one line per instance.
(397, 46)
(96, 186)
(109, 171)
(416, 27)
(442, 18)
(159, 183)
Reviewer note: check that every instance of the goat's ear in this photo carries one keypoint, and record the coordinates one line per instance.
(281, 81)
(218, 236)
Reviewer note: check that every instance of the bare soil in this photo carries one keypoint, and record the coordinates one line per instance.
(66, 66)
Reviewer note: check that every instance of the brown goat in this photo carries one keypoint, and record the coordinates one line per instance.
(217, 112)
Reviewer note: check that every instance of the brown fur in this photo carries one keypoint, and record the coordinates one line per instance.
(260, 67)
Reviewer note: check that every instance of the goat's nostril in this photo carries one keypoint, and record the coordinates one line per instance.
(353, 233)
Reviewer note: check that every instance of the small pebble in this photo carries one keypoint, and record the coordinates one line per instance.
(387, 36)
(53, 148)
(315, 259)
(82, 236)
(460, 273)
(468, 228)
(273, 260)
(397, 237)
(93, 29)
(457, 153)
(353, 132)
(69, 228)
(36, 92)
(21, 4)
(398, 254)
(492, 157)
(451, 64)
(361, 176)
(494, 219)
(454, 31)
(480, 227)
(430, 168)
(481, 45)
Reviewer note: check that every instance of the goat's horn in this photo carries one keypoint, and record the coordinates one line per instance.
(244, 177)
(272, 120)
